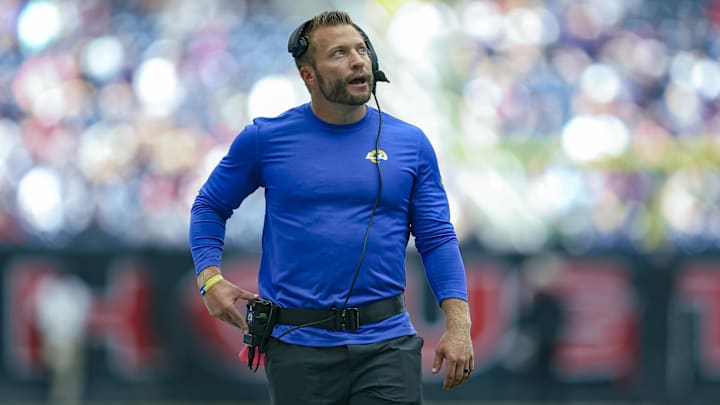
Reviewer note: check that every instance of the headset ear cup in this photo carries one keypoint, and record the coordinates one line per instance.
(302, 46)
(373, 58)
(297, 43)
(371, 51)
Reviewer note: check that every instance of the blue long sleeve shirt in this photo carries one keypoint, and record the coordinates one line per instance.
(320, 184)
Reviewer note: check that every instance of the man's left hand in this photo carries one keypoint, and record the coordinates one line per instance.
(455, 346)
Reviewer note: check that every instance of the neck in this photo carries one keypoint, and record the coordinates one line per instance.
(338, 114)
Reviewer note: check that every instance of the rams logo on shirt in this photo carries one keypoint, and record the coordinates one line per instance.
(375, 155)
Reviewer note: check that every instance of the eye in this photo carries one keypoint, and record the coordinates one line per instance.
(339, 52)
(363, 50)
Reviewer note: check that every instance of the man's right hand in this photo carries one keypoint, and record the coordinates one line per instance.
(220, 299)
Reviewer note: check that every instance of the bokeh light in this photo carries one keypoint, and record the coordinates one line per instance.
(40, 199)
(39, 24)
(103, 57)
(158, 87)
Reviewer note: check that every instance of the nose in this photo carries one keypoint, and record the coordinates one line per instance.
(356, 59)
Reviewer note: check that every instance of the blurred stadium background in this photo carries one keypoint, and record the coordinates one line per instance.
(579, 146)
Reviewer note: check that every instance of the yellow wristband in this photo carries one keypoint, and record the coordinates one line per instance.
(211, 282)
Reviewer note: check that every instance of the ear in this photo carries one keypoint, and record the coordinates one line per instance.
(307, 74)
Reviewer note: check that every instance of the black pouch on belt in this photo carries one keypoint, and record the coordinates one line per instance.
(261, 318)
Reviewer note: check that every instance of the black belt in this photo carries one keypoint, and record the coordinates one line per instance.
(348, 319)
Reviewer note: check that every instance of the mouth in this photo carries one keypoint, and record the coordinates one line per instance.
(359, 81)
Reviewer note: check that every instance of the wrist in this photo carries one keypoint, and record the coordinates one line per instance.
(210, 283)
(457, 314)
(206, 274)
(458, 325)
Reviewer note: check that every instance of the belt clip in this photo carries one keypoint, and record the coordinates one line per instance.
(348, 320)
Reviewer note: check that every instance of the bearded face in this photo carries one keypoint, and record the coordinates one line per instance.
(338, 90)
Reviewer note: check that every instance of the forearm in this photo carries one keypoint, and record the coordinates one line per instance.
(207, 234)
(457, 314)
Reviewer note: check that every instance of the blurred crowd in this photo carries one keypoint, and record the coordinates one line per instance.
(580, 124)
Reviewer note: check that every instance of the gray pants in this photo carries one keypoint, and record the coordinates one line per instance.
(386, 372)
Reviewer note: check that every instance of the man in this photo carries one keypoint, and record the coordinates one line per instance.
(341, 202)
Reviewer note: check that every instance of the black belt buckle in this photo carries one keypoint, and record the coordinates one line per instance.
(348, 320)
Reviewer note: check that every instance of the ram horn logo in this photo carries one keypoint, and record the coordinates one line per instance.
(375, 155)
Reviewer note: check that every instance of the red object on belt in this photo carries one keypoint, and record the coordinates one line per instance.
(243, 356)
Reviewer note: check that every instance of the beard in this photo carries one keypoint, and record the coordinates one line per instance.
(336, 91)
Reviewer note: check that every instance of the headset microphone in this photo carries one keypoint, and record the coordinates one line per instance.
(379, 76)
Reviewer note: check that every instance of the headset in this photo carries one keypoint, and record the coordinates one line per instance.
(298, 45)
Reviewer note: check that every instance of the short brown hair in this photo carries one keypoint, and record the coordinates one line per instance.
(326, 18)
